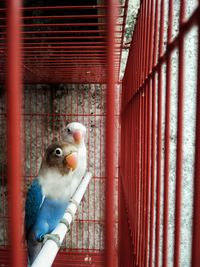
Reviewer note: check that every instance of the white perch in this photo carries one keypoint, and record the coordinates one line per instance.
(50, 249)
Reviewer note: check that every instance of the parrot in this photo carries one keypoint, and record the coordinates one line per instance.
(75, 134)
(48, 196)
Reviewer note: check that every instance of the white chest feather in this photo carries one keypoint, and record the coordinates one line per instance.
(80, 170)
(82, 162)
(54, 185)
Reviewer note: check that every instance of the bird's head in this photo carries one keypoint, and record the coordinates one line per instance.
(74, 133)
(61, 156)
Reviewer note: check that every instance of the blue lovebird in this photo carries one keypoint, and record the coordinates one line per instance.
(48, 195)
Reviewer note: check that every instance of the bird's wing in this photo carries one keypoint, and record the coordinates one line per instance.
(33, 203)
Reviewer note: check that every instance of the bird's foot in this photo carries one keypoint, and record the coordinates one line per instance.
(54, 237)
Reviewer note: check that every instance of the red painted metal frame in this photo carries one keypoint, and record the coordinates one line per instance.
(179, 158)
(145, 144)
(159, 138)
(196, 221)
(167, 142)
(92, 55)
(64, 52)
(110, 259)
(72, 33)
(14, 151)
(73, 259)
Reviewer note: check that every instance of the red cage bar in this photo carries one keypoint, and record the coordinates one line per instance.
(81, 31)
(14, 151)
(148, 103)
(110, 134)
(196, 230)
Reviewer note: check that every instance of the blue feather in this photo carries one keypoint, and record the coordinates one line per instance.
(33, 202)
(42, 215)
(49, 215)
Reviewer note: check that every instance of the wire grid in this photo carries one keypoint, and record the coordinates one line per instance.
(43, 122)
(66, 43)
(47, 109)
(160, 110)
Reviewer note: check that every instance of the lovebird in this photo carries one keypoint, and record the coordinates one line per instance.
(75, 134)
(48, 195)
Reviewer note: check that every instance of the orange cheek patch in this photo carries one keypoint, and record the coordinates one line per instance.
(77, 137)
(71, 161)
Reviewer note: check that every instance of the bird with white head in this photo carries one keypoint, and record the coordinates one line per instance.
(75, 134)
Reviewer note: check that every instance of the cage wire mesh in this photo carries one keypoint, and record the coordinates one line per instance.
(64, 73)
(46, 110)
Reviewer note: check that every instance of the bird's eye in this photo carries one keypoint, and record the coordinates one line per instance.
(69, 131)
(58, 152)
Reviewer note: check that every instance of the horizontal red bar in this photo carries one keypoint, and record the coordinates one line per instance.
(62, 17)
(59, 37)
(80, 256)
(65, 7)
(91, 24)
(76, 52)
(67, 65)
(64, 61)
(46, 44)
(41, 57)
(91, 45)
(67, 43)
(61, 32)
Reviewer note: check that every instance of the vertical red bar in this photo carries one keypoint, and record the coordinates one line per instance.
(179, 157)
(196, 216)
(141, 60)
(151, 30)
(14, 79)
(167, 142)
(142, 181)
(153, 160)
(137, 122)
(145, 97)
(147, 15)
(148, 171)
(153, 139)
(139, 188)
(159, 142)
(125, 10)
(158, 184)
(110, 127)
(137, 44)
(149, 227)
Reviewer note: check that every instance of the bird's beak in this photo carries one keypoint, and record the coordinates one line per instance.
(77, 137)
(71, 161)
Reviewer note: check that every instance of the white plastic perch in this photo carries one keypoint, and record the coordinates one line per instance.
(50, 249)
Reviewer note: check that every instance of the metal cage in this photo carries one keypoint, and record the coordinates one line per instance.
(159, 168)
(147, 126)
(62, 55)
